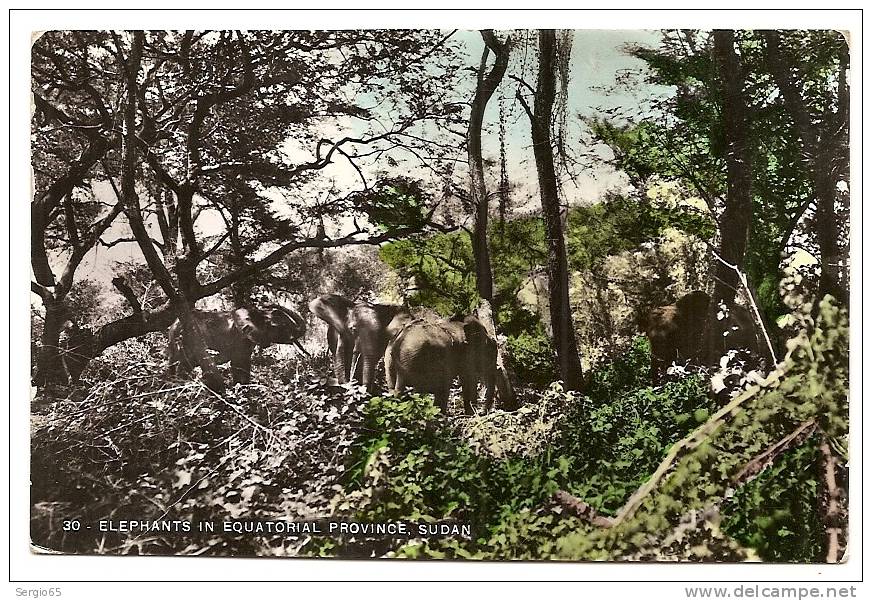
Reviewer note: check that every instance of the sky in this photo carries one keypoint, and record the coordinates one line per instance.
(598, 62)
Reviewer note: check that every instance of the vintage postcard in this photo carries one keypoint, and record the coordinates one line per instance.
(486, 294)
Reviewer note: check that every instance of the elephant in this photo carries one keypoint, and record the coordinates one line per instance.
(677, 332)
(76, 350)
(357, 334)
(234, 334)
(427, 355)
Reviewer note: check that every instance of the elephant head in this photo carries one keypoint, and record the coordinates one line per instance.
(427, 355)
(272, 325)
(677, 331)
(357, 334)
(234, 335)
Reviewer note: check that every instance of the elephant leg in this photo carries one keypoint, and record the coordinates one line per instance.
(335, 367)
(355, 371)
(469, 387)
(240, 365)
(342, 361)
(399, 383)
(441, 398)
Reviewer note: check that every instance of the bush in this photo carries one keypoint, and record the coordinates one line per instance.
(620, 432)
(129, 444)
(498, 472)
(412, 465)
(533, 357)
(777, 512)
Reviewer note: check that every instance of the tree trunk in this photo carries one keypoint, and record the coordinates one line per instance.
(484, 90)
(48, 363)
(504, 376)
(831, 165)
(558, 269)
(738, 210)
(194, 344)
(241, 289)
(133, 326)
(825, 149)
(833, 506)
(735, 221)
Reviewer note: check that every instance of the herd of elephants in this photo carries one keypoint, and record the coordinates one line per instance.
(423, 351)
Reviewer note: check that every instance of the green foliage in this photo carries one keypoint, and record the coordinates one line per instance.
(685, 140)
(443, 269)
(622, 429)
(533, 357)
(810, 384)
(621, 223)
(601, 448)
(441, 266)
(177, 447)
(412, 466)
(395, 203)
(777, 513)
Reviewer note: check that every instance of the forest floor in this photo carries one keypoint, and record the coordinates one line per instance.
(128, 444)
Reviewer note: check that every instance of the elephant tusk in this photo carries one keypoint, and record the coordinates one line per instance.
(354, 362)
(300, 348)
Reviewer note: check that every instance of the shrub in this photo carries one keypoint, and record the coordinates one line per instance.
(533, 357)
(777, 512)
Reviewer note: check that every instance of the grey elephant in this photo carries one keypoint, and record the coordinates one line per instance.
(357, 334)
(234, 335)
(427, 355)
(677, 332)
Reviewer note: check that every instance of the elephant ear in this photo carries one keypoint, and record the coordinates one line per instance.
(286, 325)
(475, 332)
(253, 324)
(333, 309)
(694, 304)
(484, 348)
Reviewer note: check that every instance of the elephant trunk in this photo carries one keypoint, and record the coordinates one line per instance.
(368, 375)
(340, 367)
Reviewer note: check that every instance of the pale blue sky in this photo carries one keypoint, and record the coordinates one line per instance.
(598, 59)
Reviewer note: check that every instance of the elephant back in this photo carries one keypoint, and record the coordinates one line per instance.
(425, 351)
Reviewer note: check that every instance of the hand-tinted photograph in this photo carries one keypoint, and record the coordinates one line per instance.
(574, 295)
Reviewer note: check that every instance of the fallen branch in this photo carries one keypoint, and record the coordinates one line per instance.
(754, 467)
(758, 319)
(581, 509)
(768, 457)
(691, 443)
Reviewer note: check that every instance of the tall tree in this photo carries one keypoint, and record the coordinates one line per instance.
(795, 91)
(218, 116)
(486, 85)
(821, 129)
(73, 133)
(735, 219)
(178, 296)
(541, 116)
